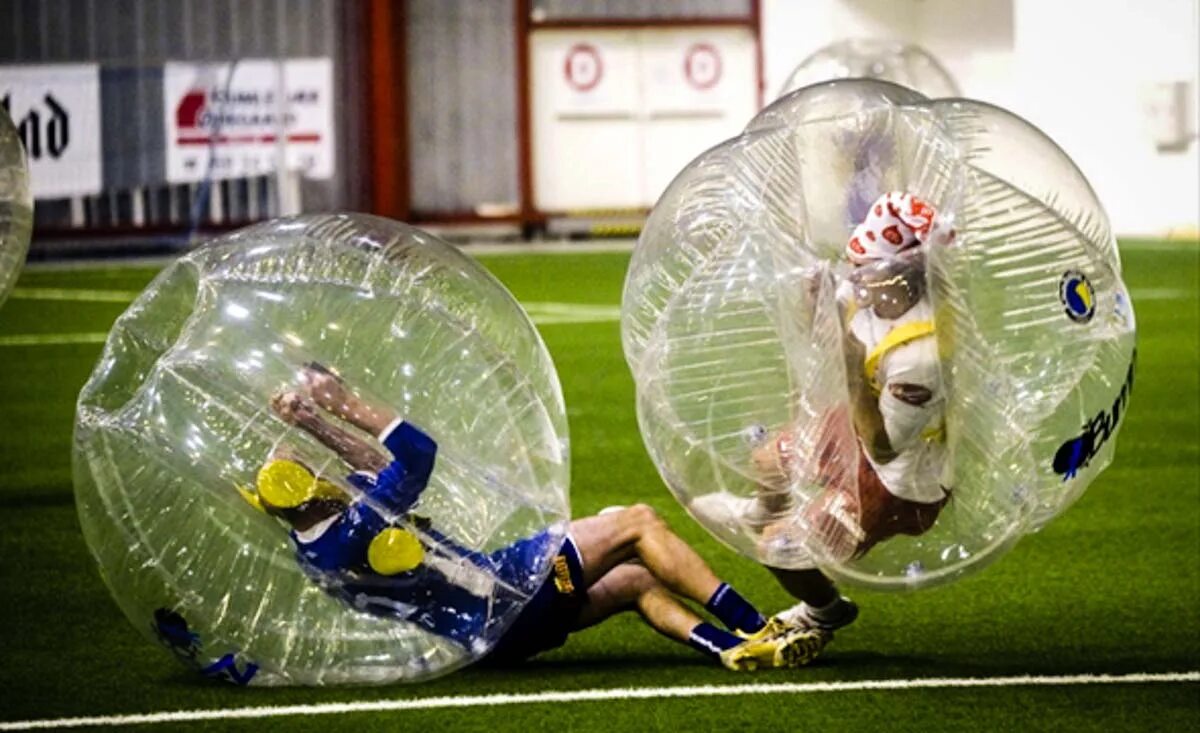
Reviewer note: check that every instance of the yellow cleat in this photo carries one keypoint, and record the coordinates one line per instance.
(776, 646)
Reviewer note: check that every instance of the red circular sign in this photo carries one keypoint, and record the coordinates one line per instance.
(583, 67)
(702, 65)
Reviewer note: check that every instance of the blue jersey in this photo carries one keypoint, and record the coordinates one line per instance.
(337, 556)
(342, 545)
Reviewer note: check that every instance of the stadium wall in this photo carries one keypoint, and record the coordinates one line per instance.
(1087, 73)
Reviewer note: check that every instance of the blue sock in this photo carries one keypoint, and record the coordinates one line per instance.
(708, 639)
(734, 611)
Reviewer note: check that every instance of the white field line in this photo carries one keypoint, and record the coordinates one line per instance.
(598, 695)
(106, 264)
(486, 249)
(1159, 294)
(1153, 244)
(489, 249)
(53, 339)
(475, 249)
(587, 310)
(543, 314)
(547, 309)
(72, 294)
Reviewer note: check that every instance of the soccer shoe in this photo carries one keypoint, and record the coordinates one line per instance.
(778, 646)
(803, 615)
(774, 626)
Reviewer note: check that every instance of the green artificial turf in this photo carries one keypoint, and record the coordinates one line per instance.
(1111, 587)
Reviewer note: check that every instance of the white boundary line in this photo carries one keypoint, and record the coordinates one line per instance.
(487, 249)
(53, 339)
(545, 308)
(102, 264)
(1157, 244)
(74, 294)
(1159, 294)
(475, 249)
(595, 695)
(543, 314)
(608, 246)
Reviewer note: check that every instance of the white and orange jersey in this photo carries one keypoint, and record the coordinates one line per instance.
(902, 368)
(901, 362)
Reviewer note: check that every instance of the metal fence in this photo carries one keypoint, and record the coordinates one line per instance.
(462, 105)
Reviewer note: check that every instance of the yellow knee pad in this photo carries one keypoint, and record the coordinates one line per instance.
(394, 551)
(287, 484)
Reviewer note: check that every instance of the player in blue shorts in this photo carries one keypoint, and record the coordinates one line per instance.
(391, 562)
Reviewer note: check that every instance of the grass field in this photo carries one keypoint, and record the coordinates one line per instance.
(1110, 588)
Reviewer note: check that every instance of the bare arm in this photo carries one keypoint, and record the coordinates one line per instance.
(864, 404)
(297, 410)
(330, 393)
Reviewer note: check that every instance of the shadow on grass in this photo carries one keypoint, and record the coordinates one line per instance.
(56, 497)
(586, 665)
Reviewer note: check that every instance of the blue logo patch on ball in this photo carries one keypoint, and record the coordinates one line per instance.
(1077, 295)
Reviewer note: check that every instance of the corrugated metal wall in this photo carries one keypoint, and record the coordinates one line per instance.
(462, 104)
(132, 39)
(462, 116)
(568, 9)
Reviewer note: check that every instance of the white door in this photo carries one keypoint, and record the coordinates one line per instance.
(616, 114)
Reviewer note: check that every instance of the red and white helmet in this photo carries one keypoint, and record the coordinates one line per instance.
(895, 222)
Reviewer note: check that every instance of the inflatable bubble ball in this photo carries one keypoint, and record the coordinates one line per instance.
(905, 64)
(879, 334)
(323, 450)
(16, 206)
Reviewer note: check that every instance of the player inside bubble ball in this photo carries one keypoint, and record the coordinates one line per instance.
(879, 459)
(377, 555)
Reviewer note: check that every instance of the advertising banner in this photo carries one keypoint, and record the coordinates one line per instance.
(56, 110)
(247, 118)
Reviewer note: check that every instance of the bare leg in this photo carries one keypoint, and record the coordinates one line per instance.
(632, 587)
(773, 466)
(330, 393)
(810, 586)
(298, 410)
(637, 532)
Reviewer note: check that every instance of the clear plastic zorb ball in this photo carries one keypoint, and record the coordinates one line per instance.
(323, 450)
(879, 334)
(867, 58)
(16, 206)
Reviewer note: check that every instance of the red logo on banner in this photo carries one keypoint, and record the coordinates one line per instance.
(198, 124)
(187, 114)
(702, 65)
(583, 67)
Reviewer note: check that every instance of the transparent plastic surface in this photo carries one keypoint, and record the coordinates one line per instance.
(770, 368)
(16, 206)
(235, 531)
(864, 58)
